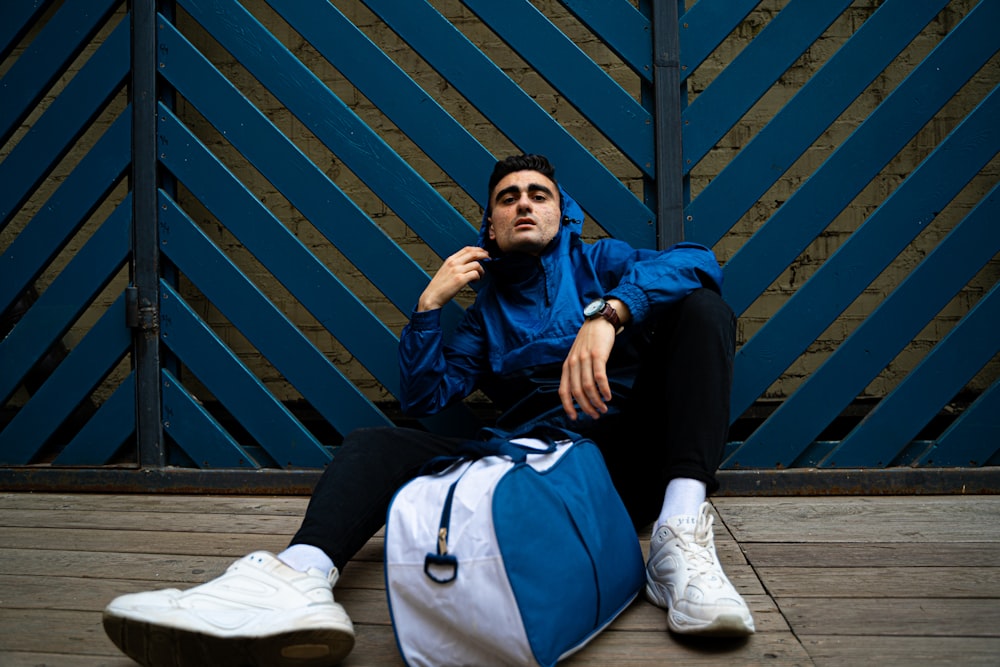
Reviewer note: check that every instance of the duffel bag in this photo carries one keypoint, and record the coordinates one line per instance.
(518, 554)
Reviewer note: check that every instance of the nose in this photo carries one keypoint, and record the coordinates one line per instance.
(524, 202)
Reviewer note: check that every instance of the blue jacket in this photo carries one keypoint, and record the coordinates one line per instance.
(527, 315)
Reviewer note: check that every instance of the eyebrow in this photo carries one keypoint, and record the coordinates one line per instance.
(532, 187)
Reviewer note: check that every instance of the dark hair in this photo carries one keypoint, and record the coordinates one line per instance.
(509, 165)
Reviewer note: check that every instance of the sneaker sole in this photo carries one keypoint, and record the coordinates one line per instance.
(724, 625)
(158, 646)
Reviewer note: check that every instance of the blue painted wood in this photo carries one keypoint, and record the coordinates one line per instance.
(972, 440)
(68, 386)
(277, 158)
(354, 143)
(584, 83)
(105, 433)
(877, 341)
(65, 212)
(45, 58)
(753, 72)
(263, 325)
(519, 117)
(66, 119)
(622, 28)
(803, 119)
(284, 255)
(706, 25)
(16, 19)
(282, 436)
(869, 148)
(395, 94)
(49, 318)
(867, 252)
(946, 369)
(204, 440)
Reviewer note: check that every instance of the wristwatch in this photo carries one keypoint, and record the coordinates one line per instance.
(601, 308)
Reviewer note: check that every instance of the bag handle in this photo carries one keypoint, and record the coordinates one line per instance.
(442, 558)
(472, 450)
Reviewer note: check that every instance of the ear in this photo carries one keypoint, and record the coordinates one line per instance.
(489, 229)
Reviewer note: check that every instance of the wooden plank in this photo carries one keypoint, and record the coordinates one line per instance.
(885, 332)
(853, 519)
(302, 182)
(141, 569)
(519, 117)
(277, 505)
(858, 160)
(18, 659)
(940, 375)
(263, 324)
(77, 633)
(643, 616)
(872, 554)
(882, 582)
(661, 648)
(170, 522)
(231, 545)
(902, 651)
(205, 354)
(67, 387)
(374, 645)
(893, 616)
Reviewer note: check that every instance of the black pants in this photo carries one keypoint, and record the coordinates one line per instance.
(673, 423)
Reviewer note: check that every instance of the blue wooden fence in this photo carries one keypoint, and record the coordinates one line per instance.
(216, 215)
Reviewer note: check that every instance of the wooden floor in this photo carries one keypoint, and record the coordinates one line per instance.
(831, 580)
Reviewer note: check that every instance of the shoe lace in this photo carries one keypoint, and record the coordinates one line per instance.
(698, 550)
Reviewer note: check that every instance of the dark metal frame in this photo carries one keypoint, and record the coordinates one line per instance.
(146, 255)
(795, 482)
(667, 114)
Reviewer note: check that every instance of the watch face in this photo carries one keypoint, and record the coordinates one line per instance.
(593, 308)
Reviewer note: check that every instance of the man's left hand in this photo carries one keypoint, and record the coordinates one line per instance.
(584, 373)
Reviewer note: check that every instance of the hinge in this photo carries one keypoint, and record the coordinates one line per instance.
(140, 313)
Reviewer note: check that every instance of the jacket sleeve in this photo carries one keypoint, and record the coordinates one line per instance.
(644, 279)
(432, 374)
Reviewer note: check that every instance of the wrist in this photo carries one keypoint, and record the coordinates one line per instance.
(622, 310)
(600, 309)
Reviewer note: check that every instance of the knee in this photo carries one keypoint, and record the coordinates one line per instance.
(705, 313)
(368, 439)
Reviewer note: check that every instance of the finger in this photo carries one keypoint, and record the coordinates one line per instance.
(584, 389)
(566, 394)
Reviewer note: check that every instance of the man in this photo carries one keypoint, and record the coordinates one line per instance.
(632, 348)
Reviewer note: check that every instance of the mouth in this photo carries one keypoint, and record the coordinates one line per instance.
(524, 223)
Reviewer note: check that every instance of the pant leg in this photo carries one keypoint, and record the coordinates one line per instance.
(675, 422)
(350, 501)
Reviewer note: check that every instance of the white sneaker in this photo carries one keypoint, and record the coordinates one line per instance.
(684, 577)
(260, 612)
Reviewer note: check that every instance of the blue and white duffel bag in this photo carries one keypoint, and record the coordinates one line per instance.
(518, 554)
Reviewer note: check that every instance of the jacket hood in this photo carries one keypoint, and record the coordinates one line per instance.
(572, 222)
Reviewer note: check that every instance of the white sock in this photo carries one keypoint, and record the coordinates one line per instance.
(304, 556)
(683, 497)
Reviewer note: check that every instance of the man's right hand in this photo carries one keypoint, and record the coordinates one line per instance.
(455, 273)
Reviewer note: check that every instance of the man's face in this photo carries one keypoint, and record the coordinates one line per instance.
(525, 216)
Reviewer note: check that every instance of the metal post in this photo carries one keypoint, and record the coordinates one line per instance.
(667, 105)
(145, 251)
